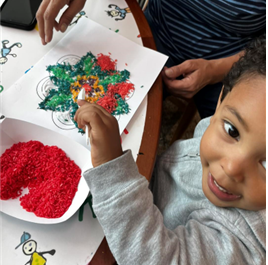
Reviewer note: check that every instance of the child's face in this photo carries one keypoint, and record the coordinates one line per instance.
(233, 148)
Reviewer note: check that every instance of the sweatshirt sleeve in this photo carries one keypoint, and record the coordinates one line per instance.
(134, 226)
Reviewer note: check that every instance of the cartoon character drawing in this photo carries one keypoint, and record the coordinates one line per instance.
(118, 12)
(5, 51)
(29, 248)
(78, 16)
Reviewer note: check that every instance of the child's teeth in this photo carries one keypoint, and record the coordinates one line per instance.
(220, 188)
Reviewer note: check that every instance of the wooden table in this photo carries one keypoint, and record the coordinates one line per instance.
(149, 143)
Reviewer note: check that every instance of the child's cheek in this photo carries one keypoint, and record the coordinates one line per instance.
(205, 144)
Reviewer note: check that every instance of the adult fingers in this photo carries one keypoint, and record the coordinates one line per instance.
(50, 14)
(40, 19)
(183, 87)
(74, 7)
(184, 84)
(181, 69)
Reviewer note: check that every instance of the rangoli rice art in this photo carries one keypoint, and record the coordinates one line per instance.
(51, 178)
(98, 75)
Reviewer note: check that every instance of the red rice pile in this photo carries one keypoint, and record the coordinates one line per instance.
(51, 177)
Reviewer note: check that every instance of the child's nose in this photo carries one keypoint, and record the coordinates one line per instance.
(234, 168)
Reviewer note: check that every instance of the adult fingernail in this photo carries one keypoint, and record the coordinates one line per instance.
(168, 71)
(46, 40)
(63, 27)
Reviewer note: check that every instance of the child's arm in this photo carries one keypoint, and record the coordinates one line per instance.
(103, 132)
(133, 225)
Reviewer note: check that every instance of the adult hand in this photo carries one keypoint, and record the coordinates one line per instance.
(196, 74)
(49, 10)
(103, 132)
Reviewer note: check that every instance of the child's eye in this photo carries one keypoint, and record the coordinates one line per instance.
(263, 164)
(231, 130)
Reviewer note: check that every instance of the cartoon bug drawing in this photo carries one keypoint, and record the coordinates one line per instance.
(78, 16)
(5, 51)
(118, 12)
(29, 248)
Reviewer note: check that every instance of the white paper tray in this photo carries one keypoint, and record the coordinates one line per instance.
(13, 131)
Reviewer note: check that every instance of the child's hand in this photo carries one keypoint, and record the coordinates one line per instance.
(103, 132)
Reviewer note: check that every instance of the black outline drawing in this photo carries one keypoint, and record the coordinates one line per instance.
(118, 12)
(82, 13)
(29, 247)
(5, 51)
(62, 119)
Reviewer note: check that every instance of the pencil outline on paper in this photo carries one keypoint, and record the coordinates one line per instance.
(94, 80)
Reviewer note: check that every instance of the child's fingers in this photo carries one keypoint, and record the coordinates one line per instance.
(91, 116)
(104, 111)
(91, 107)
(88, 131)
(81, 102)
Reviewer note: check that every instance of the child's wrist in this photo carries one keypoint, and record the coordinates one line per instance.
(96, 162)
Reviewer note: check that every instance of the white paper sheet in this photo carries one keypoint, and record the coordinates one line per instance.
(21, 100)
(74, 241)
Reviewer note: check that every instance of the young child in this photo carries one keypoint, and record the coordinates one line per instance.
(208, 199)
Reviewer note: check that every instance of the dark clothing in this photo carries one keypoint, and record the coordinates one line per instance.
(205, 29)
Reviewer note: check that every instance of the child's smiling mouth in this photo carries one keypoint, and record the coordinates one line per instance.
(220, 192)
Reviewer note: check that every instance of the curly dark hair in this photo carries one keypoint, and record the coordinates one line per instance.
(252, 63)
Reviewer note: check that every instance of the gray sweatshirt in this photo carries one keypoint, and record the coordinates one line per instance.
(174, 223)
